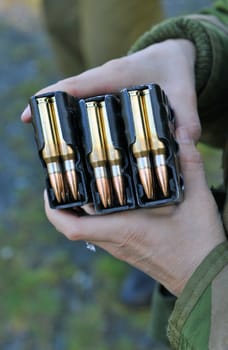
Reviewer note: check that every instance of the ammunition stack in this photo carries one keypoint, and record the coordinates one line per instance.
(116, 151)
(57, 135)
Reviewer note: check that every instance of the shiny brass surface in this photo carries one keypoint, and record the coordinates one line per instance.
(98, 157)
(50, 151)
(66, 152)
(113, 155)
(156, 146)
(141, 147)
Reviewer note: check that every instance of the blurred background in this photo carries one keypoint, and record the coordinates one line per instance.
(54, 294)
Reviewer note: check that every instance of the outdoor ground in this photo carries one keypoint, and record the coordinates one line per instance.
(54, 294)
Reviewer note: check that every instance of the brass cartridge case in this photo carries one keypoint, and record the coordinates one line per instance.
(66, 152)
(50, 151)
(140, 147)
(156, 146)
(113, 155)
(98, 157)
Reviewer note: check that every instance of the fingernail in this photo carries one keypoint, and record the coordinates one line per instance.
(25, 114)
(183, 135)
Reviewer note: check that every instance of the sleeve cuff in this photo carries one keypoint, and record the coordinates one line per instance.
(183, 28)
(198, 284)
(210, 38)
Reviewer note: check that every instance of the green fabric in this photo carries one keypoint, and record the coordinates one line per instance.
(220, 10)
(211, 69)
(212, 101)
(210, 37)
(193, 302)
(182, 27)
(199, 337)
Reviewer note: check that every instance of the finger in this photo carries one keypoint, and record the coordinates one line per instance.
(89, 209)
(26, 114)
(186, 114)
(181, 90)
(97, 228)
(63, 220)
(110, 77)
(191, 163)
(87, 228)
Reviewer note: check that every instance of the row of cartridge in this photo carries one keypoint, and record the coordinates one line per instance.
(117, 151)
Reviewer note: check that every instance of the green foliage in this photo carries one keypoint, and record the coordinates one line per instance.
(212, 160)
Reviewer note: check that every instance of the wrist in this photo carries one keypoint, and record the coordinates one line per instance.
(194, 259)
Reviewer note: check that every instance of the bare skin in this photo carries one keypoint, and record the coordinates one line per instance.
(166, 243)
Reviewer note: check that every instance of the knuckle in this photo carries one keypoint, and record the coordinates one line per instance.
(113, 64)
(195, 130)
(116, 67)
(73, 234)
(193, 157)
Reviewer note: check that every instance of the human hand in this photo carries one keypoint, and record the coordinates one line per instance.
(170, 64)
(166, 243)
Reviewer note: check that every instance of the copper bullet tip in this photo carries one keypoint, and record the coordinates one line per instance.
(57, 185)
(146, 180)
(103, 188)
(162, 176)
(119, 188)
(118, 183)
(145, 174)
(71, 177)
(72, 182)
(161, 173)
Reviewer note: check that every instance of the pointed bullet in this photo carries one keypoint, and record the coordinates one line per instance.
(162, 177)
(103, 186)
(156, 145)
(162, 173)
(56, 181)
(118, 184)
(69, 168)
(104, 191)
(67, 153)
(145, 174)
(98, 157)
(141, 147)
(50, 151)
(113, 155)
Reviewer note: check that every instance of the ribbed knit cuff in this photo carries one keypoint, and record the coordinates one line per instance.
(183, 28)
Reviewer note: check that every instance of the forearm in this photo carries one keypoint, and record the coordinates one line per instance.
(219, 9)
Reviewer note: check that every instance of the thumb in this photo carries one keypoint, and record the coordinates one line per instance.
(191, 162)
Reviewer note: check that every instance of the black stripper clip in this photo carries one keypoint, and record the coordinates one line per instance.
(55, 122)
(149, 129)
(117, 152)
(106, 157)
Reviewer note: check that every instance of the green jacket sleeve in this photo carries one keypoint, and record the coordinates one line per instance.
(200, 317)
(209, 33)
